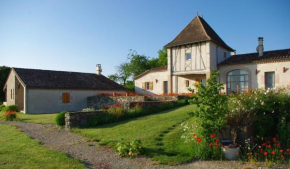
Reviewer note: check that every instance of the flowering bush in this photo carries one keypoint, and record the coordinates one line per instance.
(2, 107)
(270, 150)
(12, 108)
(203, 147)
(116, 111)
(9, 115)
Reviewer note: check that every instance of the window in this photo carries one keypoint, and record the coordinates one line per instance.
(225, 55)
(188, 56)
(147, 85)
(187, 83)
(65, 97)
(237, 81)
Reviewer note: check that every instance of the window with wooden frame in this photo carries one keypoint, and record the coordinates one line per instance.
(65, 97)
(147, 85)
(186, 83)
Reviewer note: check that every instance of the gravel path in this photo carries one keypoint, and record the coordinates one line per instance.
(98, 157)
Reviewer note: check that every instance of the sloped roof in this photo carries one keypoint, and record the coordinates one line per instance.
(157, 69)
(268, 56)
(49, 79)
(197, 31)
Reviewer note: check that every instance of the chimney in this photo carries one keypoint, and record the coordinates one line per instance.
(260, 47)
(98, 69)
(233, 53)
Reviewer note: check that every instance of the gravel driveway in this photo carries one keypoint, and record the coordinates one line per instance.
(99, 157)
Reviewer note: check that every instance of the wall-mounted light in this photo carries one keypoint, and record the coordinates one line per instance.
(156, 80)
(256, 71)
(284, 69)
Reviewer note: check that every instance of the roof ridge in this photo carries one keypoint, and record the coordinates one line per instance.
(182, 30)
(51, 70)
(203, 28)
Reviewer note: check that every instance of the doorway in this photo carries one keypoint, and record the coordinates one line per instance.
(269, 80)
(165, 87)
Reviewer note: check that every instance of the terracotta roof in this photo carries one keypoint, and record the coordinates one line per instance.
(49, 79)
(268, 56)
(157, 69)
(197, 31)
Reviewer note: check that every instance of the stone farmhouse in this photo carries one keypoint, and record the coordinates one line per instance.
(198, 49)
(46, 91)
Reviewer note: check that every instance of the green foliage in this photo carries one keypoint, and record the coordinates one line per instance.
(2, 107)
(130, 86)
(4, 72)
(162, 55)
(9, 115)
(283, 129)
(212, 106)
(60, 118)
(131, 149)
(11, 108)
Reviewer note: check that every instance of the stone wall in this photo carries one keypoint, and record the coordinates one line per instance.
(79, 119)
(150, 104)
(98, 102)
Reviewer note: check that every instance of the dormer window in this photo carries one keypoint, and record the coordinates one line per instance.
(188, 56)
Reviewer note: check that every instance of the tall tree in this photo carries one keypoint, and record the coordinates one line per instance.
(4, 72)
(137, 63)
(162, 55)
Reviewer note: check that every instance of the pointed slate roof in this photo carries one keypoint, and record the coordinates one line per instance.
(50, 79)
(197, 31)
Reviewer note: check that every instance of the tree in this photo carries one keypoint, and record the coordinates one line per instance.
(4, 72)
(162, 55)
(123, 72)
(138, 63)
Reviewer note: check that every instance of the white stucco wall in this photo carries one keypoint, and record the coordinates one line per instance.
(192, 81)
(151, 77)
(10, 85)
(50, 100)
(217, 55)
(258, 80)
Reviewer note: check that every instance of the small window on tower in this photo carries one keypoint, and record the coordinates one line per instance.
(188, 56)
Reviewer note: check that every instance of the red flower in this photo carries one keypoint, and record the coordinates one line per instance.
(281, 151)
(273, 152)
(197, 138)
(212, 136)
(217, 146)
(199, 141)
(274, 139)
(210, 145)
(268, 146)
(216, 140)
(288, 150)
(194, 135)
(278, 145)
(265, 153)
(261, 150)
(264, 144)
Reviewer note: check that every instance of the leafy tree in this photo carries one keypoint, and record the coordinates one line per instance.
(4, 72)
(138, 63)
(162, 55)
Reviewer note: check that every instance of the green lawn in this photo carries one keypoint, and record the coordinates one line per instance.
(35, 118)
(17, 150)
(160, 134)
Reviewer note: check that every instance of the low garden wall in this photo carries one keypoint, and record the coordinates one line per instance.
(150, 104)
(98, 102)
(79, 119)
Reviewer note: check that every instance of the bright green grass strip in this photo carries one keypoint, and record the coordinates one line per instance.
(146, 128)
(17, 150)
(35, 118)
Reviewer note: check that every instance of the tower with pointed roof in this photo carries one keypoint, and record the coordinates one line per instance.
(193, 53)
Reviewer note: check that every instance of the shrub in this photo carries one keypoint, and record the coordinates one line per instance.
(12, 108)
(130, 149)
(60, 118)
(116, 111)
(2, 107)
(9, 115)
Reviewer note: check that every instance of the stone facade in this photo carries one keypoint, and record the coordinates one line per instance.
(79, 119)
(150, 104)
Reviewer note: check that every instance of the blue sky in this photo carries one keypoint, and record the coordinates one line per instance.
(75, 35)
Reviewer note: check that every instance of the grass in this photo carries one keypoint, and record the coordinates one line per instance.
(17, 150)
(35, 118)
(160, 134)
